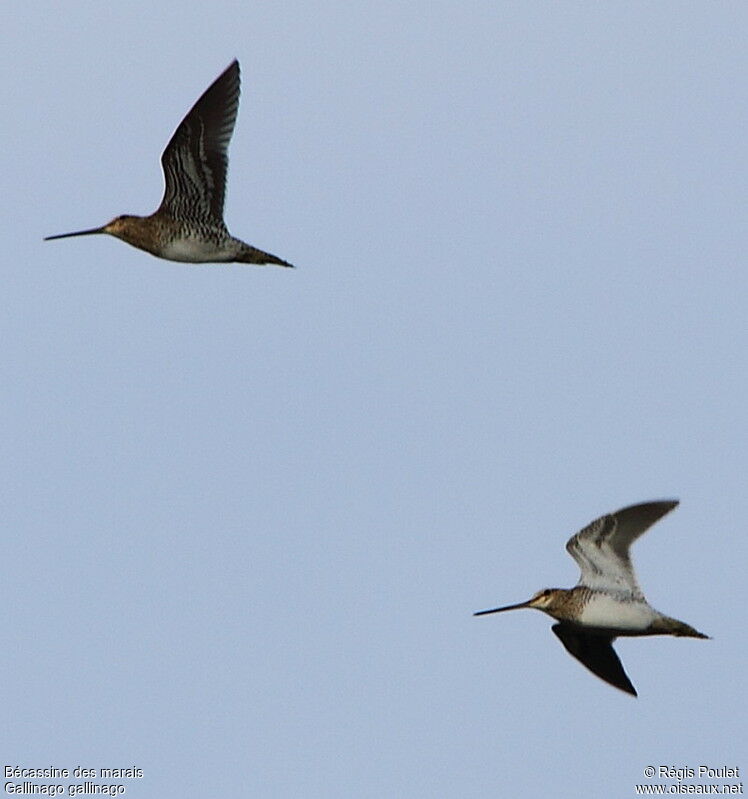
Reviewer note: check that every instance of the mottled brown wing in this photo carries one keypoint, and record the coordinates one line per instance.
(196, 159)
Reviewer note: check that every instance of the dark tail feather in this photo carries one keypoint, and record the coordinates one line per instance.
(251, 255)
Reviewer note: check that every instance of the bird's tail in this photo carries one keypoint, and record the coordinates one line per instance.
(671, 626)
(251, 255)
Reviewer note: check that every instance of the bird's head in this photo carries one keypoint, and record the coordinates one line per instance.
(120, 227)
(546, 599)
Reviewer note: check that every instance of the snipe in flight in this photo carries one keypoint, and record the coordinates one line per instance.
(607, 601)
(188, 225)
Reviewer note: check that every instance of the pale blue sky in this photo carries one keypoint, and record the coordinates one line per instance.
(249, 511)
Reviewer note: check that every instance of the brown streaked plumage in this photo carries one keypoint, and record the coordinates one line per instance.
(607, 601)
(188, 225)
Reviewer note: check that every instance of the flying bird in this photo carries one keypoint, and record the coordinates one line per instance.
(188, 225)
(607, 601)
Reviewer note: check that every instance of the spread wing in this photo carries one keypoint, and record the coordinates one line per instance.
(596, 653)
(602, 548)
(195, 160)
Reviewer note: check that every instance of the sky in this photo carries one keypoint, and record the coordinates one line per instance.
(249, 511)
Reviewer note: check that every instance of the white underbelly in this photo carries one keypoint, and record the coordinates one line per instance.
(608, 611)
(195, 251)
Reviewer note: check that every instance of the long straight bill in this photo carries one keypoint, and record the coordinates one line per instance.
(77, 233)
(501, 610)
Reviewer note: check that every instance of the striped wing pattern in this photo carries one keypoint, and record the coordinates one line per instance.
(195, 161)
(602, 548)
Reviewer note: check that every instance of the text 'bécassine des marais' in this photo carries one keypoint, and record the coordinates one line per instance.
(78, 773)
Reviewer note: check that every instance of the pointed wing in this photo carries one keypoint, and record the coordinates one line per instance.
(596, 653)
(195, 160)
(602, 548)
